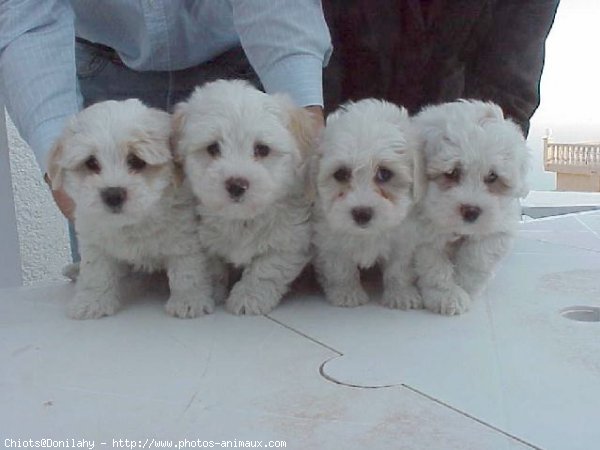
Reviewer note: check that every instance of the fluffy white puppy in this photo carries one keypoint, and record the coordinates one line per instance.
(475, 163)
(245, 153)
(365, 189)
(113, 159)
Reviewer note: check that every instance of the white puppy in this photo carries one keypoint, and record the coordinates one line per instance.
(475, 164)
(364, 191)
(114, 161)
(245, 153)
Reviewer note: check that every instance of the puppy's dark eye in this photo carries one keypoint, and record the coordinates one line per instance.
(383, 175)
(135, 162)
(491, 177)
(214, 149)
(453, 176)
(261, 150)
(92, 164)
(342, 175)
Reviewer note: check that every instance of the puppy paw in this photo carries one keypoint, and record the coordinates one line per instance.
(188, 306)
(85, 306)
(448, 302)
(472, 284)
(408, 297)
(71, 271)
(246, 300)
(347, 297)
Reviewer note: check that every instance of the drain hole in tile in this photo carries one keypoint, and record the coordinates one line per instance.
(582, 313)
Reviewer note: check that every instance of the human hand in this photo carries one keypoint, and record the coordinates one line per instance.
(317, 112)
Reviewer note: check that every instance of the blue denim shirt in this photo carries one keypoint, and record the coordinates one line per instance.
(286, 41)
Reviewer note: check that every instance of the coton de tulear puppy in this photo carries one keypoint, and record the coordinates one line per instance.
(114, 161)
(475, 162)
(245, 155)
(365, 189)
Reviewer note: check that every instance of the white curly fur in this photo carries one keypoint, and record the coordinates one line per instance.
(154, 229)
(266, 229)
(363, 145)
(475, 164)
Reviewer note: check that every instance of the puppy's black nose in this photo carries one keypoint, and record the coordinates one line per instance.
(470, 213)
(236, 187)
(362, 215)
(114, 197)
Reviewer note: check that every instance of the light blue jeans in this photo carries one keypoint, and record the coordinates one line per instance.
(101, 78)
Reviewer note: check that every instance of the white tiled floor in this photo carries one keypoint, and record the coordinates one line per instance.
(511, 373)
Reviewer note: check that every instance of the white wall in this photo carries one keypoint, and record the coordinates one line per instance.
(42, 229)
(10, 268)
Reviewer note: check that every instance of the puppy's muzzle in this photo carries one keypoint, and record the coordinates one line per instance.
(114, 197)
(362, 215)
(236, 187)
(470, 213)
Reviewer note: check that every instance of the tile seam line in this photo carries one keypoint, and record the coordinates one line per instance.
(465, 414)
(406, 386)
(300, 333)
(578, 219)
(501, 380)
(432, 399)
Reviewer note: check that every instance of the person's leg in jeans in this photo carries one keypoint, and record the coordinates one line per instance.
(102, 77)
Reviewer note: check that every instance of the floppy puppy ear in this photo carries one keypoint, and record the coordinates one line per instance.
(398, 116)
(305, 129)
(302, 124)
(489, 111)
(524, 164)
(178, 174)
(177, 123)
(55, 169)
(521, 155)
(151, 142)
(311, 175)
(419, 177)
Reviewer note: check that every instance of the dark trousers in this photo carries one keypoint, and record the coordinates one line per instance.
(102, 77)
